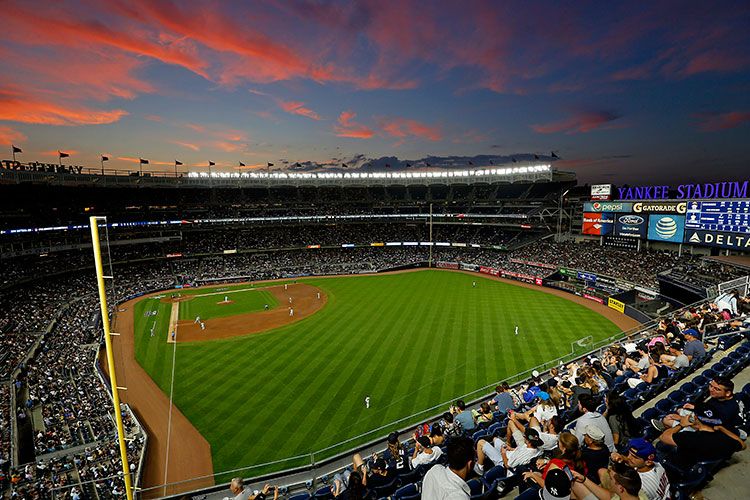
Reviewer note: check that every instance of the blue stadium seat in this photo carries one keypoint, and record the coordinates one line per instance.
(746, 389)
(483, 434)
(387, 489)
(677, 397)
(323, 493)
(407, 492)
(685, 484)
(492, 476)
(492, 429)
(476, 488)
(664, 406)
(300, 496)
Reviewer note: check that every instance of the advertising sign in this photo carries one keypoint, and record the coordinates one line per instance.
(734, 241)
(583, 276)
(630, 225)
(597, 224)
(594, 298)
(616, 305)
(660, 207)
(608, 206)
(601, 191)
(666, 227)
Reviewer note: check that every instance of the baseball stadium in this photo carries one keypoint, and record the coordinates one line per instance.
(299, 320)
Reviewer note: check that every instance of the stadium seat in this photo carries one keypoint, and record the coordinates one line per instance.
(387, 489)
(494, 428)
(664, 406)
(493, 475)
(323, 493)
(483, 434)
(476, 488)
(677, 397)
(300, 496)
(689, 482)
(407, 492)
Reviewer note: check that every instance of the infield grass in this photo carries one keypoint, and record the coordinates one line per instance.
(408, 341)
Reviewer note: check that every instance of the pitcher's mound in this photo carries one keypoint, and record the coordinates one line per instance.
(225, 302)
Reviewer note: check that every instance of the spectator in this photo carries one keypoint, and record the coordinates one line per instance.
(424, 452)
(587, 406)
(463, 417)
(450, 426)
(641, 456)
(594, 453)
(395, 455)
(620, 419)
(528, 446)
(694, 348)
(624, 483)
(503, 400)
(449, 483)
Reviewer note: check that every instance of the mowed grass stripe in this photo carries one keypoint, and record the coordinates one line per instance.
(408, 340)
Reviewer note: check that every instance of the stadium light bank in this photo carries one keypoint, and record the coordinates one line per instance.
(374, 175)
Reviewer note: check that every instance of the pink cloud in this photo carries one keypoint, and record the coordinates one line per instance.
(11, 136)
(154, 118)
(404, 127)
(713, 122)
(580, 122)
(298, 108)
(187, 145)
(347, 128)
(18, 106)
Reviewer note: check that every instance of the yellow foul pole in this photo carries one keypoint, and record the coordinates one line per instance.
(110, 356)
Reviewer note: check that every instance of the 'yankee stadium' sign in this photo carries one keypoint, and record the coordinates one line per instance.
(734, 189)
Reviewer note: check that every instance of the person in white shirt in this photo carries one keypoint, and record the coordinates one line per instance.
(587, 405)
(528, 446)
(449, 483)
(424, 452)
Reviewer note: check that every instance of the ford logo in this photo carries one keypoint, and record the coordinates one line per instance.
(631, 219)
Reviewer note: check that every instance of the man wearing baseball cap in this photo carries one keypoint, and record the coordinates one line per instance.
(694, 348)
(557, 485)
(594, 452)
(641, 455)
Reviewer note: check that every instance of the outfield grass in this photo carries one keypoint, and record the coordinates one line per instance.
(409, 341)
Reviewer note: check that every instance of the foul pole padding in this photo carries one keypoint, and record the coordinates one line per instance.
(110, 356)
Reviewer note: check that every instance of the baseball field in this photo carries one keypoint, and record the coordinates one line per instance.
(262, 384)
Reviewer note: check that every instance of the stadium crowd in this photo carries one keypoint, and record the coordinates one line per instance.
(65, 406)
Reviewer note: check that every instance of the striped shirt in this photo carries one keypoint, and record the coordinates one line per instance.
(655, 483)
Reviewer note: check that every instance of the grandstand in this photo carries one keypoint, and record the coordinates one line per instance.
(58, 432)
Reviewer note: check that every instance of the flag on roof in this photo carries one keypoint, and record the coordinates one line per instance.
(210, 163)
(63, 155)
(143, 161)
(177, 163)
(16, 149)
(242, 164)
(105, 158)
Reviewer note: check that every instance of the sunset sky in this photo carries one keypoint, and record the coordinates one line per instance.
(621, 91)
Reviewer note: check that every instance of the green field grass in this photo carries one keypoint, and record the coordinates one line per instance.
(409, 341)
(243, 300)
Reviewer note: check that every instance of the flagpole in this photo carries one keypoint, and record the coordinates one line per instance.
(175, 170)
(13, 148)
(59, 159)
(101, 160)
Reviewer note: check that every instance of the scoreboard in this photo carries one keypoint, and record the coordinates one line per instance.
(725, 216)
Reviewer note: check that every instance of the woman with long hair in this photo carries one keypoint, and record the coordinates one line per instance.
(621, 420)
